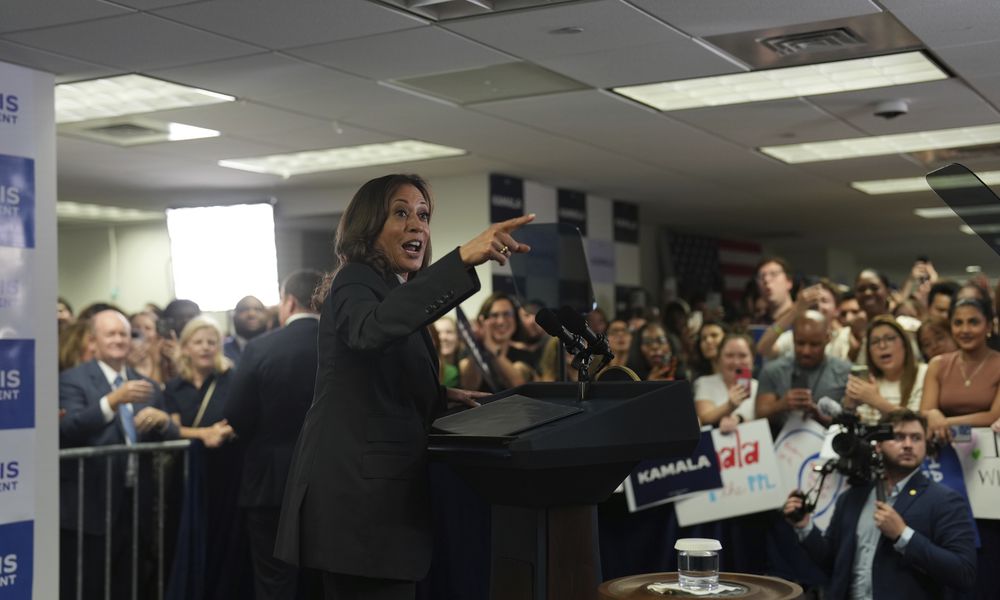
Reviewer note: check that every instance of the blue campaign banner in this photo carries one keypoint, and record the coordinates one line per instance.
(16, 558)
(655, 482)
(946, 469)
(17, 384)
(17, 201)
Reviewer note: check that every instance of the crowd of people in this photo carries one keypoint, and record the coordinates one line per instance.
(806, 345)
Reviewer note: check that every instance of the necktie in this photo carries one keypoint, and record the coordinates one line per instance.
(125, 414)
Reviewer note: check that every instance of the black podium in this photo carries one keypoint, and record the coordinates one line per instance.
(544, 460)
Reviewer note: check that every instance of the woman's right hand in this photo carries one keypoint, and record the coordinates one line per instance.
(937, 426)
(737, 394)
(488, 244)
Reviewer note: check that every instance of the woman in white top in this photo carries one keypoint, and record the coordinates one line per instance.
(721, 399)
(896, 379)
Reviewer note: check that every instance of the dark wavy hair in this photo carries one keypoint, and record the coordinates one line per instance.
(362, 222)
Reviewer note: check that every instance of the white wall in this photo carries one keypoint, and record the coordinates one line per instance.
(127, 264)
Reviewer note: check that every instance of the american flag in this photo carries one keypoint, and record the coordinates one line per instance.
(736, 262)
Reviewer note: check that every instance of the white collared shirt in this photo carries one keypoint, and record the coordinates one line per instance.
(299, 316)
(110, 374)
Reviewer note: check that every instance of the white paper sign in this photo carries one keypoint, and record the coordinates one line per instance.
(751, 480)
(798, 449)
(980, 460)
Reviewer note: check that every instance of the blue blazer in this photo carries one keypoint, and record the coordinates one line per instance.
(80, 391)
(938, 563)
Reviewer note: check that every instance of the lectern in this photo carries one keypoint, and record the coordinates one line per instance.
(544, 459)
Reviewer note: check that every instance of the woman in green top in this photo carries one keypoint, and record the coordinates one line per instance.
(449, 347)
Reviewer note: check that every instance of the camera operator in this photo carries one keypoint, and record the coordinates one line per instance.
(918, 543)
(799, 382)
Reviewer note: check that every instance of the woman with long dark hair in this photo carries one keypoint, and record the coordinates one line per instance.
(357, 505)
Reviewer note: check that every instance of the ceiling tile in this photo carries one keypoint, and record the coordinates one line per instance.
(280, 24)
(933, 105)
(136, 42)
(948, 23)
(27, 14)
(328, 135)
(239, 118)
(701, 18)
(67, 69)
(767, 123)
(399, 54)
(673, 59)
(974, 60)
(252, 77)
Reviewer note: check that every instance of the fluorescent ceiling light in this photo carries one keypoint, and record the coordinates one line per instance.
(790, 82)
(878, 145)
(77, 211)
(980, 229)
(945, 212)
(335, 159)
(126, 95)
(918, 184)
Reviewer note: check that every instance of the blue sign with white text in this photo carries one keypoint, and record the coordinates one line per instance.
(17, 201)
(654, 482)
(16, 558)
(17, 384)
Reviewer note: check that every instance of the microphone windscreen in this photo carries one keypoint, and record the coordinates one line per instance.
(573, 320)
(548, 321)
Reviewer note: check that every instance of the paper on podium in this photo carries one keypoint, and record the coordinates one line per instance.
(505, 417)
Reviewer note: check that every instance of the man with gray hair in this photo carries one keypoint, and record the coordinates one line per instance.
(808, 381)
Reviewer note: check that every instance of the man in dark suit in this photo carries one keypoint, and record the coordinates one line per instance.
(105, 403)
(918, 543)
(268, 401)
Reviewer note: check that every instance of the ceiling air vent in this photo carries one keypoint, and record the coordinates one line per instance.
(125, 131)
(819, 41)
(826, 40)
(444, 10)
(132, 130)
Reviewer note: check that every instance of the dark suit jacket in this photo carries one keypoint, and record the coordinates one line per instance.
(80, 391)
(267, 403)
(939, 561)
(357, 499)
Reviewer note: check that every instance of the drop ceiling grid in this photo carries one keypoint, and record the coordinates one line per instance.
(19, 15)
(63, 67)
(941, 24)
(281, 24)
(136, 42)
(933, 105)
(700, 18)
(400, 54)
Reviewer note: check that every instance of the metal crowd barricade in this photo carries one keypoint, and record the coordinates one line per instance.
(154, 448)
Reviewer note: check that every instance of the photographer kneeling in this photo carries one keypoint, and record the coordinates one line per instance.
(918, 543)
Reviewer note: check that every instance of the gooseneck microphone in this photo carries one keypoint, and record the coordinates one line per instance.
(596, 344)
(552, 326)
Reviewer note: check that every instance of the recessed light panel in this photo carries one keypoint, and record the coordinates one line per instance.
(919, 184)
(78, 211)
(790, 82)
(879, 145)
(334, 159)
(126, 95)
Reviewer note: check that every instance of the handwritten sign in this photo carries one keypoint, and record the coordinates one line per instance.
(751, 480)
(799, 449)
(656, 482)
(980, 460)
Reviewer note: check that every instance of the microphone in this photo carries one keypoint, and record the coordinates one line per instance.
(552, 326)
(596, 344)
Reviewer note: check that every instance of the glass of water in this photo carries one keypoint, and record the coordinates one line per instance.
(698, 563)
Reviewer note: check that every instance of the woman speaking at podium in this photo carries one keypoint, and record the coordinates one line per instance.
(356, 504)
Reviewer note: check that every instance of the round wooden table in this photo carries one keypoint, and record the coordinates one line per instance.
(755, 587)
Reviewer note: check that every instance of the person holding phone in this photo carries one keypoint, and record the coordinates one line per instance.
(653, 355)
(893, 378)
(726, 398)
(801, 381)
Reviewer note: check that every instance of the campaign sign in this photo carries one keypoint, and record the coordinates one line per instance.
(506, 197)
(572, 209)
(980, 460)
(17, 475)
(655, 482)
(17, 201)
(16, 558)
(751, 481)
(17, 384)
(798, 450)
